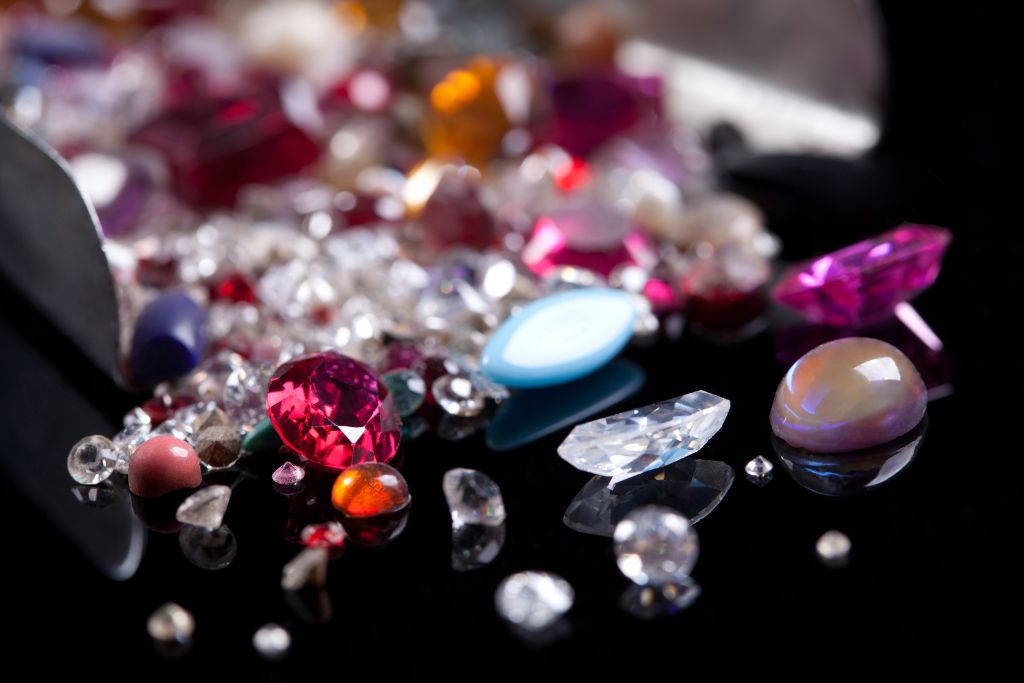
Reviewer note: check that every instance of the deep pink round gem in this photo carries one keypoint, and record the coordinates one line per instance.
(333, 411)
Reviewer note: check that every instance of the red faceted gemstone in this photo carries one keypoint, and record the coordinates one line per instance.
(235, 287)
(862, 284)
(333, 411)
(160, 408)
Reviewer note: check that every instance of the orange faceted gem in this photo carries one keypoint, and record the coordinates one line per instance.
(370, 489)
(466, 117)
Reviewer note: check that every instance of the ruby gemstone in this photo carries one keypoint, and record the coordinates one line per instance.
(861, 284)
(333, 411)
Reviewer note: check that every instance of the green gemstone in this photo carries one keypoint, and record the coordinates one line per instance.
(263, 437)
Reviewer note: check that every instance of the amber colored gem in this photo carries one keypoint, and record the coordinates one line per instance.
(370, 489)
(466, 117)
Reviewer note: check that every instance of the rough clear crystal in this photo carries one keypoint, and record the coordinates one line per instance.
(457, 396)
(206, 507)
(271, 641)
(176, 428)
(92, 460)
(407, 390)
(833, 549)
(288, 474)
(171, 623)
(126, 441)
(207, 381)
(650, 602)
(647, 438)
(759, 470)
(475, 545)
(533, 600)
(691, 487)
(308, 568)
(137, 417)
(245, 395)
(209, 549)
(656, 546)
(473, 498)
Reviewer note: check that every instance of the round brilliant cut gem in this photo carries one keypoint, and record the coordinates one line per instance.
(92, 460)
(333, 411)
(656, 546)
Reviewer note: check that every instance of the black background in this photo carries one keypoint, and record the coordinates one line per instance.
(932, 591)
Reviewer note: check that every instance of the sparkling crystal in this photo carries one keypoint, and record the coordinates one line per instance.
(209, 549)
(176, 428)
(206, 507)
(92, 460)
(308, 568)
(833, 549)
(271, 641)
(288, 474)
(656, 546)
(691, 487)
(644, 439)
(137, 417)
(759, 470)
(473, 498)
(533, 600)
(323, 535)
(862, 283)
(99, 496)
(245, 395)
(333, 410)
(407, 390)
(207, 381)
(457, 396)
(126, 441)
(171, 623)
(652, 602)
(475, 545)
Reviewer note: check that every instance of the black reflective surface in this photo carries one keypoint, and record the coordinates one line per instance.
(931, 591)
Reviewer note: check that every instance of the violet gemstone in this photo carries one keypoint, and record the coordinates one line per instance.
(846, 395)
(169, 339)
(861, 284)
(163, 464)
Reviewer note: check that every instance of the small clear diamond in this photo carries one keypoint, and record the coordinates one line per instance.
(209, 549)
(759, 470)
(457, 396)
(650, 602)
(656, 546)
(833, 549)
(308, 568)
(206, 507)
(647, 438)
(533, 600)
(137, 417)
(288, 474)
(176, 428)
(245, 395)
(92, 460)
(271, 641)
(126, 441)
(473, 498)
(407, 390)
(475, 545)
(171, 623)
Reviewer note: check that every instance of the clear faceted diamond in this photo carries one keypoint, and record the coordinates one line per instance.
(473, 498)
(92, 460)
(533, 600)
(650, 602)
(126, 441)
(137, 417)
(271, 641)
(759, 470)
(209, 549)
(833, 549)
(691, 487)
(171, 623)
(245, 395)
(457, 396)
(624, 445)
(288, 474)
(208, 379)
(206, 507)
(308, 568)
(475, 545)
(656, 546)
(176, 428)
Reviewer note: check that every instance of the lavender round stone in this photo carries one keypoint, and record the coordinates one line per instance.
(169, 338)
(846, 395)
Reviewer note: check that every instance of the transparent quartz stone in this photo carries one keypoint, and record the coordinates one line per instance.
(473, 498)
(92, 460)
(245, 395)
(126, 441)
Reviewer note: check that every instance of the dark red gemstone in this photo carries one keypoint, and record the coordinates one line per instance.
(591, 108)
(235, 287)
(160, 408)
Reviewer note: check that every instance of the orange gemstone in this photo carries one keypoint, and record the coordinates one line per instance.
(370, 489)
(466, 117)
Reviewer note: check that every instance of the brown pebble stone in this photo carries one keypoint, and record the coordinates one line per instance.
(219, 446)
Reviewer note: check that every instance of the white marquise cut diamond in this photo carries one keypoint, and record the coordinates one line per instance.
(644, 439)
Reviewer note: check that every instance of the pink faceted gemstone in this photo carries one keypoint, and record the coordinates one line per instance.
(333, 411)
(552, 245)
(862, 283)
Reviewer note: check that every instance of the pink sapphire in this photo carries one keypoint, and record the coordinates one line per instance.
(862, 283)
(552, 245)
(591, 108)
(333, 411)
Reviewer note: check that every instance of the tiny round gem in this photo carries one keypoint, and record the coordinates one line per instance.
(833, 548)
(171, 623)
(271, 641)
(92, 460)
(457, 396)
(533, 600)
(656, 546)
(407, 390)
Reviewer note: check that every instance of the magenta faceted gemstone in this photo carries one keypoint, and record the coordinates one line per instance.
(861, 284)
(591, 108)
(552, 245)
(333, 411)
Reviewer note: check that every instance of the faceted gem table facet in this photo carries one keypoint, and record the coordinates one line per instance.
(333, 410)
